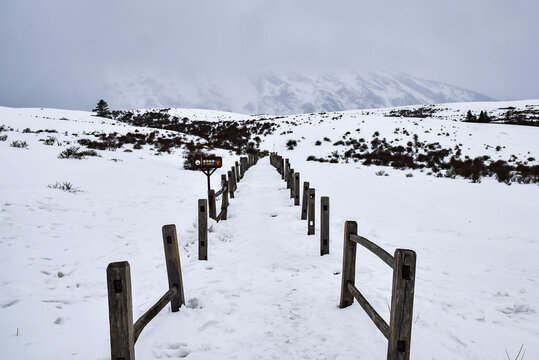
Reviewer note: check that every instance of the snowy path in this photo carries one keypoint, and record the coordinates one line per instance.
(265, 291)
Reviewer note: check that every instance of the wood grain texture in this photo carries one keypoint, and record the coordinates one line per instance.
(230, 185)
(291, 181)
(375, 249)
(324, 225)
(296, 189)
(212, 204)
(305, 200)
(202, 230)
(174, 267)
(348, 264)
(311, 211)
(367, 307)
(152, 312)
(237, 166)
(122, 340)
(402, 303)
(224, 202)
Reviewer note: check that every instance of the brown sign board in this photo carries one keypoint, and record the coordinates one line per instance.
(208, 162)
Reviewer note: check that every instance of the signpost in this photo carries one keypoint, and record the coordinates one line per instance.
(208, 165)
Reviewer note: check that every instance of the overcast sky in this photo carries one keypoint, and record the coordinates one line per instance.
(59, 53)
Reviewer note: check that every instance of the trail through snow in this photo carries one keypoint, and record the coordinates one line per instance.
(263, 292)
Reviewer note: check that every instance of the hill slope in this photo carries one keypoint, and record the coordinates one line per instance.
(264, 292)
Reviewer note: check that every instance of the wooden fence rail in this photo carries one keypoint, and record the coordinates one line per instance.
(123, 333)
(403, 262)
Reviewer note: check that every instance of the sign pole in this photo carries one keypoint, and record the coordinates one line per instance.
(208, 166)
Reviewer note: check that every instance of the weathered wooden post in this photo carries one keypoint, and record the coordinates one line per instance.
(296, 189)
(174, 267)
(348, 264)
(234, 183)
(402, 302)
(285, 172)
(238, 177)
(202, 230)
(282, 168)
(212, 206)
(291, 182)
(122, 340)
(310, 212)
(224, 203)
(230, 185)
(324, 225)
(305, 200)
(242, 167)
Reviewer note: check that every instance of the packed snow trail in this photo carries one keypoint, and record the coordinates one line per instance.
(264, 292)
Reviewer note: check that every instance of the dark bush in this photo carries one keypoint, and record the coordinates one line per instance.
(291, 144)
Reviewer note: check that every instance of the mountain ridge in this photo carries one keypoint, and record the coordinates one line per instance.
(287, 93)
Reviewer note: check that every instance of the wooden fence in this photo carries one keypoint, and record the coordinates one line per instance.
(207, 208)
(308, 204)
(399, 331)
(123, 333)
(229, 185)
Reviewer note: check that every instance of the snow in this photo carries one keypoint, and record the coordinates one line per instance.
(264, 292)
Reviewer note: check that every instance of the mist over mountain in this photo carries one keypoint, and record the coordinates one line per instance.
(287, 93)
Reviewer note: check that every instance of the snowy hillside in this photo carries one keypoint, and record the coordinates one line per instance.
(265, 292)
(286, 93)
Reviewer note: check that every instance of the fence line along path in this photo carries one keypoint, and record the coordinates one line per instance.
(264, 292)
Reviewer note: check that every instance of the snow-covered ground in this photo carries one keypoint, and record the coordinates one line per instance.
(264, 292)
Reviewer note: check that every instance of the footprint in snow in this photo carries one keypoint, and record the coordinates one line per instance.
(177, 350)
(193, 303)
(9, 303)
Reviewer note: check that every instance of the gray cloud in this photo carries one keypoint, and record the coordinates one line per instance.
(60, 53)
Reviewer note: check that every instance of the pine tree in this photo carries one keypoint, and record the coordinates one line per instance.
(483, 117)
(470, 117)
(102, 109)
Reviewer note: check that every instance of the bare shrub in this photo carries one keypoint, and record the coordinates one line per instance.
(73, 152)
(19, 144)
(65, 186)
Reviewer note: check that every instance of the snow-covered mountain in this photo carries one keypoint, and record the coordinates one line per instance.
(288, 93)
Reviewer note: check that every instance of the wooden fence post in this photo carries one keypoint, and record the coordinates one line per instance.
(324, 225)
(310, 212)
(234, 183)
(285, 172)
(348, 264)
(402, 302)
(230, 185)
(291, 182)
(237, 166)
(305, 200)
(174, 267)
(224, 203)
(282, 168)
(202, 230)
(122, 340)
(296, 189)
(212, 205)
